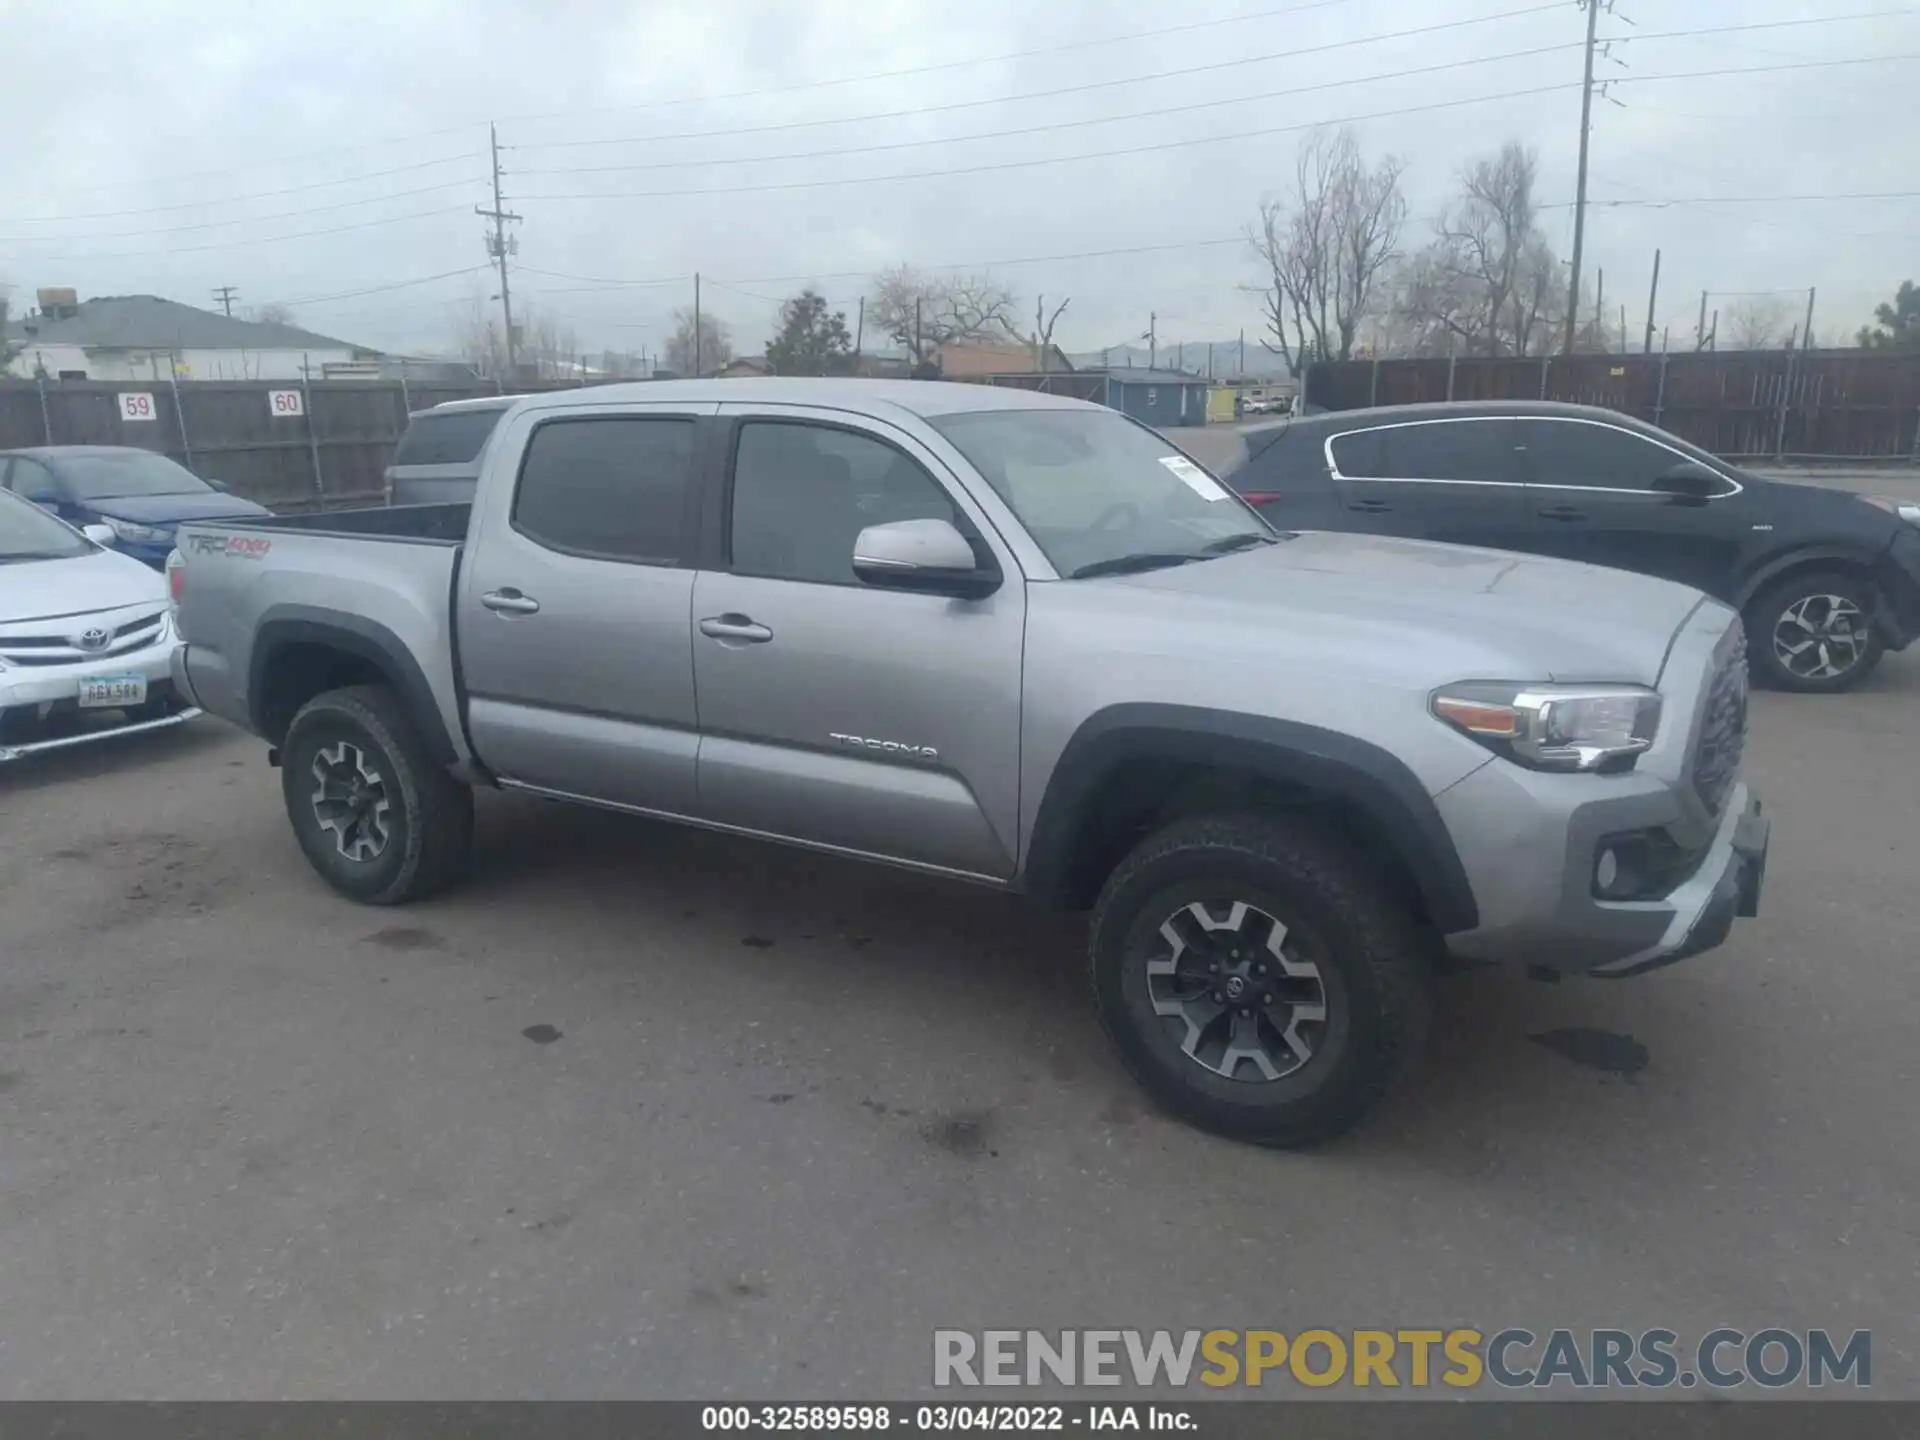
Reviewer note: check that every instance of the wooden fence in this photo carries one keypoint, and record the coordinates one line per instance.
(325, 449)
(1743, 404)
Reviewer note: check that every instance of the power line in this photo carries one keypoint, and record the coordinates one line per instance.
(242, 220)
(1718, 30)
(1761, 69)
(939, 66)
(383, 289)
(256, 195)
(1054, 159)
(1081, 89)
(1660, 202)
(365, 145)
(255, 240)
(1057, 124)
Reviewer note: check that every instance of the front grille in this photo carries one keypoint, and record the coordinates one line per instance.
(1722, 740)
(64, 649)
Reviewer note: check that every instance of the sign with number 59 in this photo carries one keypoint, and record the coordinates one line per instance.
(137, 405)
(285, 402)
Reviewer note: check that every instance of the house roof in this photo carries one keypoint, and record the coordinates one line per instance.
(962, 362)
(148, 322)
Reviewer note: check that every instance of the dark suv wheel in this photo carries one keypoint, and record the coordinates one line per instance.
(380, 821)
(1258, 978)
(1813, 632)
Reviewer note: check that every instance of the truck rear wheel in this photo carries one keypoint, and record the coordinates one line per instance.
(1258, 978)
(380, 821)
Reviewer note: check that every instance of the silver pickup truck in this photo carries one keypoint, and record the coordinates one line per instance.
(1020, 641)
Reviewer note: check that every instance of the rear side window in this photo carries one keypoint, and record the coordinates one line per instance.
(613, 487)
(1439, 450)
(455, 438)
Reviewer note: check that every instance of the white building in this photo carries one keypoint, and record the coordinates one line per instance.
(141, 337)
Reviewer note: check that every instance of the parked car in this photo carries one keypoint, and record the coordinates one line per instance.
(82, 630)
(1019, 640)
(140, 496)
(438, 458)
(1827, 581)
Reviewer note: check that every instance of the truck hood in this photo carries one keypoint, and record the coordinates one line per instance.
(175, 509)
(102, 580)
(1464, 613)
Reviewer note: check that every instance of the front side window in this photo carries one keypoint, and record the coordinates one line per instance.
(1563, 452)
(611, 487)
(1096, 490)
(803, 493)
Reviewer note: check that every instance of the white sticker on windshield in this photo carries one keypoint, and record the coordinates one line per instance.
(1195, 479)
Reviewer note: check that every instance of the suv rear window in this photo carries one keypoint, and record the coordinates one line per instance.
(455, 438)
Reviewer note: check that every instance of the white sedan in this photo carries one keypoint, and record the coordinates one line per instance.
(85, 637)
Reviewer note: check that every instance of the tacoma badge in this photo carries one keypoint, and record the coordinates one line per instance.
(888, 747)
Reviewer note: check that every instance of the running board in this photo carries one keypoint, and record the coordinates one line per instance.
(67, 742)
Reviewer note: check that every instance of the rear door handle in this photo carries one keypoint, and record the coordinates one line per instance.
(509, 601)
(735, 627)
(1561, 512)
(1370, 507)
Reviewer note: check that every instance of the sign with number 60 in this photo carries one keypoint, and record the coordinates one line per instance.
(137, 405)
(285, 402)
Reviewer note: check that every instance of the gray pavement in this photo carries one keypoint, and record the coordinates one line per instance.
(641, 1112)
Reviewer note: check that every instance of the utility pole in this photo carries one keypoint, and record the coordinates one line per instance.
(1623, 329)
(1243, 353)
(917, 356)
(1713, 334)
(225, 295)
(1209, 360)
(1806, 331)
(1700, 330)
(1153, 339)
(859, 333)
(1580, 194)
(1600, 310)
(1653, 296)
(498, 245)
(696, 325)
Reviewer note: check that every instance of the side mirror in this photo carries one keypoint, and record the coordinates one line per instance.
(99, 534)
(1688, 481)
(928, 556)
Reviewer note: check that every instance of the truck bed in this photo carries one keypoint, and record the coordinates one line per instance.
(445, 523)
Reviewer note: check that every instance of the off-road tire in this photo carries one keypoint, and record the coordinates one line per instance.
(1765, 609)
(1377, 963)
(430, 814)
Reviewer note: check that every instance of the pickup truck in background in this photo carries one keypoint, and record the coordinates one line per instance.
(1016, 640)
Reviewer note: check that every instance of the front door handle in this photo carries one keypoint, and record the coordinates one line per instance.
(735, 627)
(509, 601)
(1561, 512)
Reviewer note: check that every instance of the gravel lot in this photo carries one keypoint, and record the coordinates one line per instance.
(648, 1113)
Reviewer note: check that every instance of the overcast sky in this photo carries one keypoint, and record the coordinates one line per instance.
(142, 142)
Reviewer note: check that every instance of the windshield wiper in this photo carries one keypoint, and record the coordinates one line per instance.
(1242, 541)
(1132, 564)
(14, 557)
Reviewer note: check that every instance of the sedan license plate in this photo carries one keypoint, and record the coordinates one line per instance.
(109, 692)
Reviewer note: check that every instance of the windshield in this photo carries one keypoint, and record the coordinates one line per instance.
(29, 533)
(1096, 490)
(104, 476)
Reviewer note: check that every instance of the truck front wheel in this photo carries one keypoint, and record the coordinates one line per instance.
(1258, 977)
(380, 821)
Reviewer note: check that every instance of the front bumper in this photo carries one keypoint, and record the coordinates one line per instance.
(39, 710)
(1897, 616)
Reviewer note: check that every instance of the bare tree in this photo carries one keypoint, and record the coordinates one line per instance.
(478, 339)
(549, 347)
(1040, 340)
(273, 313)
(1326, 246)
(922, 312)
(8, 349)
(1759, 322)
(715, 349)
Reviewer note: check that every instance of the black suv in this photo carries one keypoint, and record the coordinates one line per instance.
(1826, 580)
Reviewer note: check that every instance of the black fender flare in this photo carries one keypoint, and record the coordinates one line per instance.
(287, 625)
(1314, 760)
(1776, 566)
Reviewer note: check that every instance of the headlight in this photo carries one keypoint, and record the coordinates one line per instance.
(1905, 509)
(1554, 727)
(127, 530)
